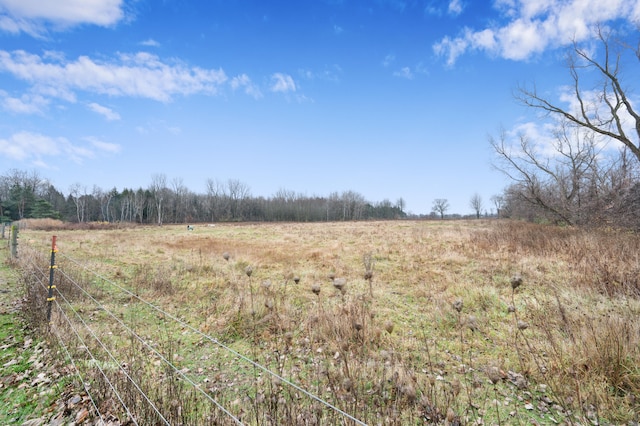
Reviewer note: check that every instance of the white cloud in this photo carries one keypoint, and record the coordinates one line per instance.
(245, 82)
(111, 148)
(282, 83)
(150, 43)
(21, 146)
(388, 60)
(107, 113)
(329, 73)
(404, 72)
(41, 150)
(532, 26)
(33, 16)
(158, 127)
(455, 7)
(139, 75)
(26, 104)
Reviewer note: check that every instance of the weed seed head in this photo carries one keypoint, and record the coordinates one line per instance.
(452, 419)
(385, 355)
(248, 270)
(522, 325)
(511, 309)
(458, 305)
(226, 256)
(296, 279)
(315, 288)
(368, 275)
(472, 323)
(339, 283)
(516, 281)
(493, 373)
(409, 391)
(388, 326)
(332, 276)
(456, 387)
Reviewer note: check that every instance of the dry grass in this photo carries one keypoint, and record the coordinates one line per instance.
(398, 322)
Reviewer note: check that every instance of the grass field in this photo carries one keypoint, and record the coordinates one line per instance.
(400, 322)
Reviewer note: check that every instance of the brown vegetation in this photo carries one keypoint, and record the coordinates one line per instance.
(392, 322)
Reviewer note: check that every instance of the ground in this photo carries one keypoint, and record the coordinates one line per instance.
(35, 388)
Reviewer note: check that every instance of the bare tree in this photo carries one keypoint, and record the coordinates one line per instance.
(440, 206)
(603, 108)
(238, 192)
(139, 204)
(158, 189)
(498, 202)
(179, 200)
(216, 195)
(476, 204)
(78, 195)
(570, 179)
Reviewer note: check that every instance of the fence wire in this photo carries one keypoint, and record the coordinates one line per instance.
(76, 295)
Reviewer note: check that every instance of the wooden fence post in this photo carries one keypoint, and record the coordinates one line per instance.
(14, 241)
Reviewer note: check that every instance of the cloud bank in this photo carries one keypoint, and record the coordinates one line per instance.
(531, 26)
(141, 75)
(34, 17)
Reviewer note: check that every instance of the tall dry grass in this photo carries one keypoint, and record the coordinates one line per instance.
(394, 322)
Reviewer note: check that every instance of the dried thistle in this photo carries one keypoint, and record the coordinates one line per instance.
(522, 325)
(388, 326)
(226, 256)
(516, 281)
(367, 259)
(385, 355)
(339, 283)
(248, 270)
(456, 387)
(472, 323)
(458, 305)
(296, 279)
(315, 288)
(494, 374)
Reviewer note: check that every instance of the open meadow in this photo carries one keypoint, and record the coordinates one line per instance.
(394, 322)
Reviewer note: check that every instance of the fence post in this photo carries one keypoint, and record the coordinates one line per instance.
(51, 297)
(14, 241)
(4, 225)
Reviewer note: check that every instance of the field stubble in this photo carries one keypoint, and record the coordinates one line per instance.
(402, 322)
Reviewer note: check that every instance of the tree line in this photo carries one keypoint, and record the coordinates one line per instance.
(28, 195)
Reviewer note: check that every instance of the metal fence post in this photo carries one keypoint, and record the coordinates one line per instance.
(51, 297)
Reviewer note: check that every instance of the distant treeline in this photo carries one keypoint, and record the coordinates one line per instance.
(26, 195)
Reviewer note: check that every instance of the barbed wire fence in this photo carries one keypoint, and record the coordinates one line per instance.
(126, 355)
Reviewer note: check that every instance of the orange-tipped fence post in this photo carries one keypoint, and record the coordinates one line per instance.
(51, 297)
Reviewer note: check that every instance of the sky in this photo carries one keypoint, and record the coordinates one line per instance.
(388, 98)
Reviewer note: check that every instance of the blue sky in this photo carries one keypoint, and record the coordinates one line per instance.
(388, 98)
